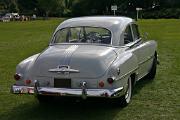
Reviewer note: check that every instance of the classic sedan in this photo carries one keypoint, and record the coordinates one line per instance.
(99, 57)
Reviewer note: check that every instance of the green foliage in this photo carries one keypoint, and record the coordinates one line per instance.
(9, 6)
(47, 6)
(70, 8)
(162, 13)
(13, 7)
(28, 7)
(55, 7)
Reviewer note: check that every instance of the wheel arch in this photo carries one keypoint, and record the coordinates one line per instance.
(133, 78)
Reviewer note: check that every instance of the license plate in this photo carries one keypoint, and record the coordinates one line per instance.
(62, 83)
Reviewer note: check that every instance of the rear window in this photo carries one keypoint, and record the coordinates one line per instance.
(83, 35)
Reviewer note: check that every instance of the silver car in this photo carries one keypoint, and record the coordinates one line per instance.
(89, 57)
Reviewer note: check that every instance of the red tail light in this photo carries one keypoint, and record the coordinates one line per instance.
(110, 80)
(28, 82)
(17, 76)
(101, 84)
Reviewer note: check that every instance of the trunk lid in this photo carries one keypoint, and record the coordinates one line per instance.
(83, 61)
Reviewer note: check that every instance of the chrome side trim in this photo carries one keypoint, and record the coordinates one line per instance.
(147, 59)
(123, 76)
(133, 44)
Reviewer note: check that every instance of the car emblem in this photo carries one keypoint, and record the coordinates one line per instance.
(64, 69)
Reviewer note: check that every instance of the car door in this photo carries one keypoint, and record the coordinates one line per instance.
(139, 48)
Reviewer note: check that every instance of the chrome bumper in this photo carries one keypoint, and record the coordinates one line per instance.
(109, 93)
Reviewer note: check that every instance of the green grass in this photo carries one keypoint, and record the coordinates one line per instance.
(158, 99)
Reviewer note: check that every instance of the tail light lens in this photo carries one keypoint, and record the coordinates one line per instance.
(101, 84)
(110, 80)
(17, 76)
(28, 82)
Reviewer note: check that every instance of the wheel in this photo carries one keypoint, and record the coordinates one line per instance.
(125, 99)
(152, 73)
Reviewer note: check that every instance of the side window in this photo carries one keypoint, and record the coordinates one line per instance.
(61, 36)
(128, 35)
(135, 31)
(74, 34)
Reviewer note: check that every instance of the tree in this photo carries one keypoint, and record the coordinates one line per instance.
(28, 7)
(67, 7)
(48, 6)
(13, 6)
(90, 7)
(9, 5)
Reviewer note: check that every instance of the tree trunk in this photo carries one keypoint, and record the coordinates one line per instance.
(47, 15)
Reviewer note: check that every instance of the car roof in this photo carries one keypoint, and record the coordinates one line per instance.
(115, 24)
(96, 21)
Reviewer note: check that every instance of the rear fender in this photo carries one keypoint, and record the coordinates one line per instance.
(24, 67)
(124, 66)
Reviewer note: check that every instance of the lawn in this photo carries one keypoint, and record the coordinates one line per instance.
(158, 99)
